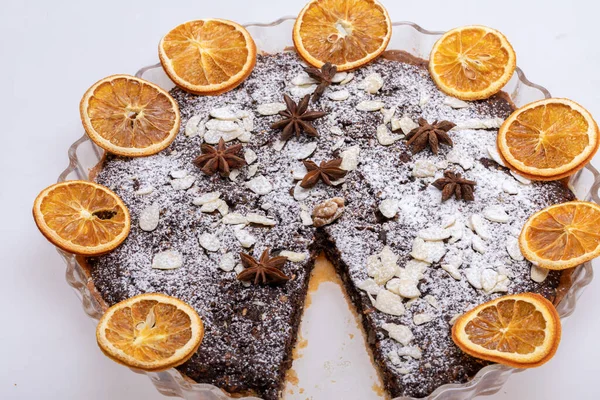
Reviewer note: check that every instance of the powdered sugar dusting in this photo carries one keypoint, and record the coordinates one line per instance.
(247, 346)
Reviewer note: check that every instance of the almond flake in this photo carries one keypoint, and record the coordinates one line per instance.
(233, 175)
(413, 270)
(513, 249)
(382, 267)
(457, 232)
(480, 227)
(420, 319)
(493, 152)
(227, 262)
(487, 123)
(206, 198)
(301, 193)
(372, 83)
(183, 183)
(178, 174)
(303, 79)
(455, 103)
(260, 220)
(394, 357)
(248, 124)
(369, 285)
(539, 274)
(389, 303)
(370, 105)
(429, 252)
(194, 126)
(260, 185)
(244, 137)
(424, 169)
(473, 276)
(454, 318)
(223, 208)
(220, 125)
(406, 124)
(339, 77)
(293, 256)
(347, 79)
(458, 157)
(496, 213)
(479, 245)
(245, 238)
(434, 233)
(406, 288)
(410, 351)
(423, 99)
(388, 114)
(385, 137)
(400, 333)
(306, 218)
(250, 156)
(350, 158)
(452, 271)
(510, 186)
(339, 95)
(520, 178)
(214, 136)
(389, 207)
(449, 220)
(489, 278)
(251, 171)
(270, 108)
(304, 151)
(168, 259)
(234, 219)
(209, 241)
(224, 113)
(149, 218)
(211, 206)
(336, 130)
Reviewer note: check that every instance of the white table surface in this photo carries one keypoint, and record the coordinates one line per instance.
(51, 51)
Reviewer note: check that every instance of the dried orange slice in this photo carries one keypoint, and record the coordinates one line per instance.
(347, 33)
(208, 56)
(129, 116)
(563, 235)
(152, 332)
(472, 62)
(81, 217)
(548, 139)
(519, 330)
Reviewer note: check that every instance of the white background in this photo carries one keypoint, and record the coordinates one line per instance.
(52, 51)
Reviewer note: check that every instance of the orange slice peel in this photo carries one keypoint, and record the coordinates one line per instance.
(347, 33)
(207, 56)
(81, 217)
(129, 116)
(562, 236)
(548, 139)
(472, 62)
(151, 332)
(520, 330)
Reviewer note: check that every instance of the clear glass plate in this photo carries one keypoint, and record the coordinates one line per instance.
(275, 37)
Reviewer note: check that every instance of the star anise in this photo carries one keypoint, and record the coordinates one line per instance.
(327, 171)
(430, 134)
(265, 270)
(220, 158)
(297, 118)
(454, 183)
(323, 76)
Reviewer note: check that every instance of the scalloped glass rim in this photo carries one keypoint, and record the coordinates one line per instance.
(270, 37)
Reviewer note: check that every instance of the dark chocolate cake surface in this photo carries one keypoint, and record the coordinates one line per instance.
(410, 262)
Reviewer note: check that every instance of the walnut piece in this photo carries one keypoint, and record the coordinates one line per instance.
(328, 211)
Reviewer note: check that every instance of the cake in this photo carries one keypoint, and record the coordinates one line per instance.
(390, 209)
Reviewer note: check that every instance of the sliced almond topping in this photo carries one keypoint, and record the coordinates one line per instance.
(400, 333)
(480, 227)
(194, 126)
(209, 241)
(513, 249)
(539, 274)
(372, 83)
(429, 252)
(168, 259)
(434, 234)
(245, 238)
(350, 158)
(455, 103)
(183, 183)
(260, 185)
(369, 285)
(424, 169)
(149, 218)
(389, 303)
(389, 207)
(293, 256)
(270, 108)
(370, 105)
(227, 262)
(420, 319)
(338, 95)
(234, 219)
(258, 219)
(496, 213)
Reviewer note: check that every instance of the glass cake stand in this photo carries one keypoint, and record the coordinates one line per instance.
(275, 37)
